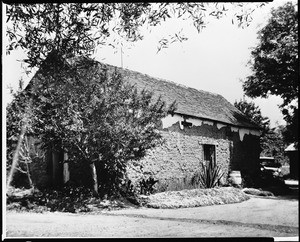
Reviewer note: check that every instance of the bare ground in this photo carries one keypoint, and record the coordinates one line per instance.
(257, 217)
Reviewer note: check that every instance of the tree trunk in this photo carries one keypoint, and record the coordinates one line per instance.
(15, 160)
(28, 175)
(94, 178)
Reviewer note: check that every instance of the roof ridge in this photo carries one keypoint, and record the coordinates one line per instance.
(191, 101)
(163, 79)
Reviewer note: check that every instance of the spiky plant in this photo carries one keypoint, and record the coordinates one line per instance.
(208, 176)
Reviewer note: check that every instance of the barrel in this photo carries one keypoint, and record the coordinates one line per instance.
(235, 177)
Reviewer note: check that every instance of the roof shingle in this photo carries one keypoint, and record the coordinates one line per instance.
(190, 101)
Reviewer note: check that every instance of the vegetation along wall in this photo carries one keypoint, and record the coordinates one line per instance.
(188, 143)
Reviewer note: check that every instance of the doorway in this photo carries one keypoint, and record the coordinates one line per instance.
(209, 154)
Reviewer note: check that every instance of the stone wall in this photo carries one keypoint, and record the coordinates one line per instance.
(182, 152)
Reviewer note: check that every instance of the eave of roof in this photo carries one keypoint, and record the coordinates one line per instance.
(217, 121)
(190, 101)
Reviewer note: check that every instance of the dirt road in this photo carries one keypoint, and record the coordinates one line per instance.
(253, 218)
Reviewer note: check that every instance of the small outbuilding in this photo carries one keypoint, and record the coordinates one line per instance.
(205, 126)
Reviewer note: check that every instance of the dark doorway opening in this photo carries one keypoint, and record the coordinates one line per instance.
(209, 154)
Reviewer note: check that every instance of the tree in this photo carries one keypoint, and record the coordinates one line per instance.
(253, 112)
(18, 124)
(275, 64)
(290, 133)
(271, 140)
(77, 28)
(103, 127)
(273, 144)
(65, 30)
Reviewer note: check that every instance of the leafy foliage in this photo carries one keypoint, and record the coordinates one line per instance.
(67, 199)
(272, 141)
(107, 124)
(65, 116)
(28, 154)
(275, 63)
(208, 176)
(20, 152)
(147, 186)
(273, 144)
(77, 28)
(15, 119)
(290, 134)
(132, 191)
(128, 189)
(253, 112)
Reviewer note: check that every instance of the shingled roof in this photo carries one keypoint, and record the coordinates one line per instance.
(190, 101)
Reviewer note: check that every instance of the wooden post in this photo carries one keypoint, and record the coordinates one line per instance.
(94, 178)
(66, 172)
(55, 168)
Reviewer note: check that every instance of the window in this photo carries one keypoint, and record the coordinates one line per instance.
(209, 153)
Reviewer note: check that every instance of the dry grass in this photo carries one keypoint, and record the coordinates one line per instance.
(195, 198)
(168, 199)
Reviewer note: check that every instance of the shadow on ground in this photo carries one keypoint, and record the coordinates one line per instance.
(286, 192)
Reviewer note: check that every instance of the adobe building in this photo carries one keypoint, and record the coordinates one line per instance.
(205, 126)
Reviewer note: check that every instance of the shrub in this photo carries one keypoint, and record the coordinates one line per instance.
(67, 199)
(103, 128)
(147, 186)
(128, 189)
(130, 192)
(208, 176)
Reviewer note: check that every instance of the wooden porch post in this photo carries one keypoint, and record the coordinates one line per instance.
(66, 171)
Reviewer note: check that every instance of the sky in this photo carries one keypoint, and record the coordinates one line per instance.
(214, 60)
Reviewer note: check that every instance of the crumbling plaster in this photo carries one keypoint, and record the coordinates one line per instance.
(171, 120)
(181, 154)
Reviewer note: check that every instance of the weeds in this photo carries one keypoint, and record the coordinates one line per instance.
(67, 199)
